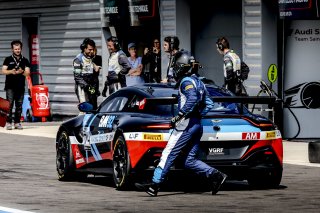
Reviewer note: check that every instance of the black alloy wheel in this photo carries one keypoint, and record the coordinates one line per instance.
(64, 158)
(121, 164)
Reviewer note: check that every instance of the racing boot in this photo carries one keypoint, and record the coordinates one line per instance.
(150, 188)
(218, 178)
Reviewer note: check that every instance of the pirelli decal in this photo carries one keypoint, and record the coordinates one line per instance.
(146, 136)
(152, 137)
(271, 135)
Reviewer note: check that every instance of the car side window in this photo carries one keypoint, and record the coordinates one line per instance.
(139, 105)
(114, 105)
(133, 105)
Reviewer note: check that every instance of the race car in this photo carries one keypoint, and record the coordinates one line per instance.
(127, 133)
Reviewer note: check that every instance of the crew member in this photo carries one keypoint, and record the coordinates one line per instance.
(187, 131)
(118, 67)
(231, 66)
(85, 73)
(16, 68)
(171, 47)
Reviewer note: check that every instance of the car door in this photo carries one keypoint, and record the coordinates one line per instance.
(99, 128)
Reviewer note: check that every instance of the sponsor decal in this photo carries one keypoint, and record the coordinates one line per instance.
(139, 9)
(270, 135)
(107, 121)
(142, 103)
(153, 137)
(216, 121)
(250, 135)
(101, 138)
(216, 151)
(111, 10)
(133, 135)
(78, 155)
(188, 87)
(278, 134)
(79, 161)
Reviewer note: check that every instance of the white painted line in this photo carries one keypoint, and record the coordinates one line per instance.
(10, 210)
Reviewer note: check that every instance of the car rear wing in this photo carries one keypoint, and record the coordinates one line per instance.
(230, 99)
(270, 100)
(246, 99)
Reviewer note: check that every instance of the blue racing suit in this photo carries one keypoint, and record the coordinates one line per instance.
(187, 132)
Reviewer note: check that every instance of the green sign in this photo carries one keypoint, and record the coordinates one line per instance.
(272, 73)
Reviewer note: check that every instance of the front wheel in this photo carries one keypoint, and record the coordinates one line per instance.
(64, 158)
(121, 164)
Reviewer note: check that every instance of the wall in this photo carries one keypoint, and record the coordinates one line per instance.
(62, 27)
(302, 79)
(217, 18)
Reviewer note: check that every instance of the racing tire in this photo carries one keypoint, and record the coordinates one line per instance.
(64, 158)
(268, 179)
(121, 165)
(314, 152)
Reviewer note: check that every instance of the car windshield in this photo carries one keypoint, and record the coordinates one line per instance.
(164, 105)
(223, 106)
(160, 109)
(167, 109)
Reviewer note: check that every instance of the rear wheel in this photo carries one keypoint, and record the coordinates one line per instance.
(266, 179)
(121, 164)
(64, 158)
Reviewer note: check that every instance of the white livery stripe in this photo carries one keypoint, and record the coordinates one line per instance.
(231, 136)
(216, 136)
(146, 136)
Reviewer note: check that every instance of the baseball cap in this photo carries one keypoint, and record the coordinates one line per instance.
(130, 45)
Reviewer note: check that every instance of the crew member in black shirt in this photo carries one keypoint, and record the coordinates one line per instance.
(16, 68)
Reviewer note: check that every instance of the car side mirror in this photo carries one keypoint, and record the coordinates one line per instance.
(85, 107)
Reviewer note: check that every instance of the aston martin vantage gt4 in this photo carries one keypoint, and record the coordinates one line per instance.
(130, 128)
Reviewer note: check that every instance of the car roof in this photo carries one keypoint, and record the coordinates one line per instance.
(153, 89)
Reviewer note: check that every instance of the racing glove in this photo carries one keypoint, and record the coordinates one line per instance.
(176, 118)
(91, 90)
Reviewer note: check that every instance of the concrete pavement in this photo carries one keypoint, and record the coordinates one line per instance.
(294, 152)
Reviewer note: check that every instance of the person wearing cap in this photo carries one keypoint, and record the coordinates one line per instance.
(134, 76)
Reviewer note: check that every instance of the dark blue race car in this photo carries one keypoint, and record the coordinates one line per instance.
(128, 131)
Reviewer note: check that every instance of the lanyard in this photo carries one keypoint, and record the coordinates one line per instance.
(17, 62)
